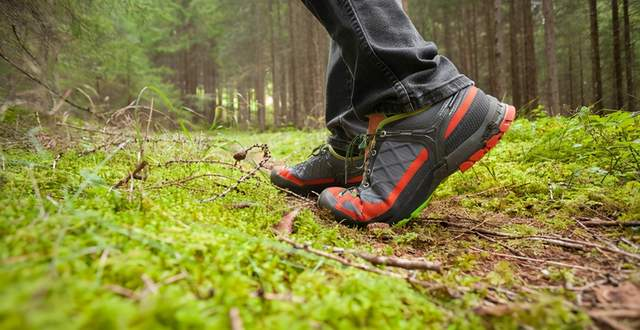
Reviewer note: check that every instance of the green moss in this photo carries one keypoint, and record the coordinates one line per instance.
(65, 249)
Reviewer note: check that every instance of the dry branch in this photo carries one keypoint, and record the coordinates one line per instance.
(550, 262)
(41, 83)
(131, 175)
(266, 156)
(399, 262)
(589, 222)
(349, 263)
(557, 241)
(197, 161)
(236, 321)
(180, 182)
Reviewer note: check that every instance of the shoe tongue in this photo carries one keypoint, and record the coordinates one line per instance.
(374, 121)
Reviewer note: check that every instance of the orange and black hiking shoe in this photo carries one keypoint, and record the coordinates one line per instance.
(325, 168)
(410, 154)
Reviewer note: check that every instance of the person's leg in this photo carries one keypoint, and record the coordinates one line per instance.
(327, 165)
(425, 119)
(341, 119)
(394, 69)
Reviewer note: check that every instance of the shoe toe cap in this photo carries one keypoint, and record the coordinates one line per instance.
(327, 199)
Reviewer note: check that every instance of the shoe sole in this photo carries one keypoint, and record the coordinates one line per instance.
(489, 144)
(283, 183)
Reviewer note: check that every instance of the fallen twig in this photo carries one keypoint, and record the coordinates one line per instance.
(197, 161)
(132, 175)
(266, 155)
(122, 291)
(399, 262)
(589, 222)
(90, 130)
(550, 262)
(349, 263)
(180, 182)
(236, 321)
(41, 83)
(289, 297)
(558, 241)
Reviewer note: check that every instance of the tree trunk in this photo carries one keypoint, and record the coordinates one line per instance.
(490, 38)
(292, 67)
(570, 78)
(468, 33)
(595, 57)
(581, 65)
(531, 70)
(282, 72)
(476, 57)
(629, 58)
(514, 27)
(497, 49)
(274, 81)
(259, 71)
(617, 58)
(553, 91)
(244, 105)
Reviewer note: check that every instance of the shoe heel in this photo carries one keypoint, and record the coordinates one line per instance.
(509, 117)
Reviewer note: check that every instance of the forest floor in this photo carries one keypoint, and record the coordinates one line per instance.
(107, 228)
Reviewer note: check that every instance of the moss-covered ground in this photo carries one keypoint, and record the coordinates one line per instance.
(77, 253)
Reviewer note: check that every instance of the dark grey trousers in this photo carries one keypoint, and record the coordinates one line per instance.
(378, 63)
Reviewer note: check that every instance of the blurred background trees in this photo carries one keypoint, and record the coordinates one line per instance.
(261, 63)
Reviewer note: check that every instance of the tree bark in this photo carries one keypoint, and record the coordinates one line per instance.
(629, 58)
(596, 77)
(259, 72)
(497, 49)
(282, 71)
(274, 81)
(617, 52)
(292, 67)
(553, 91)
(531, 70)
(514, 28)
(582, 82)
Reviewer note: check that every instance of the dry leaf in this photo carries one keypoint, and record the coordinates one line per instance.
(285, 226)
(625, 294)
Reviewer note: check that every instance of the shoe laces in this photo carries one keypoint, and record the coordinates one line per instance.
(364, 144)
(316, 154)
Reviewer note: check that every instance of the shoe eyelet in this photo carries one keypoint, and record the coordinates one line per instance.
(373, 153)
(383, 134)
(368, 171)
(365, 185)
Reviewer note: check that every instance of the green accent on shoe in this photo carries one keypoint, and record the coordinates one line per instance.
(338, 156)
(420, 208)
(397, 117)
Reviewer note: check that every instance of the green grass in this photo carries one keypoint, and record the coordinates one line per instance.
(69, 241)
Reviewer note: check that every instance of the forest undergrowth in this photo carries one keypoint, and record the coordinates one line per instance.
(134, 227)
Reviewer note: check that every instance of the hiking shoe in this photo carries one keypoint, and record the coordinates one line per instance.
(325, 168)
(411, 153)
